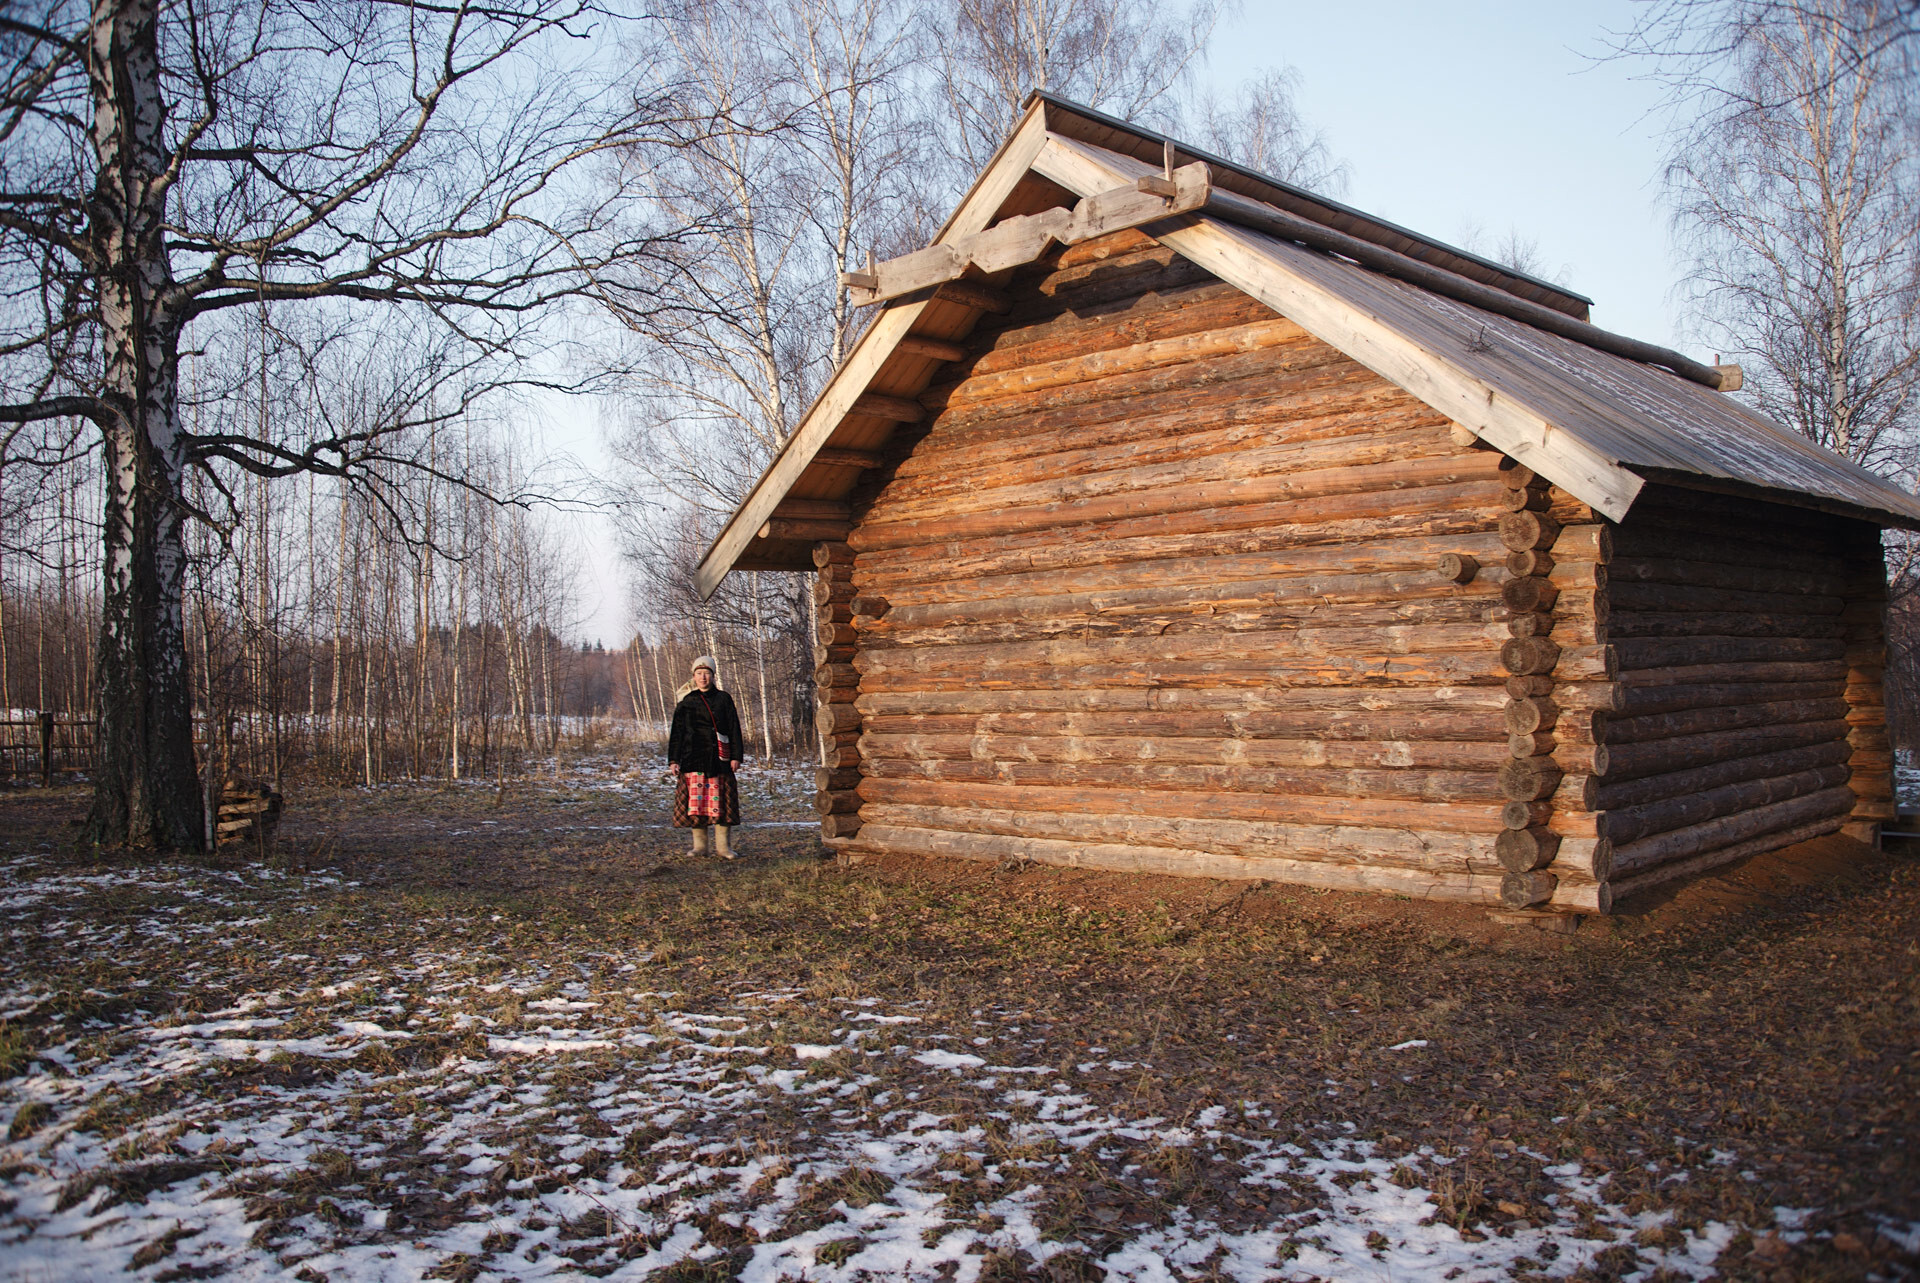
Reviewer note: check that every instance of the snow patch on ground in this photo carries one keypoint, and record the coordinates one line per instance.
(466, 1112)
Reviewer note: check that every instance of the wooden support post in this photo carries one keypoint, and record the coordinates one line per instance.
(46, 750)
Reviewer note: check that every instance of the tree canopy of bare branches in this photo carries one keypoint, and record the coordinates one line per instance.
(167, 166)
(1795, 182)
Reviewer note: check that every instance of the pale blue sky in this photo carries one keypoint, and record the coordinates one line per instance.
(1450, 114)
(1494, 112)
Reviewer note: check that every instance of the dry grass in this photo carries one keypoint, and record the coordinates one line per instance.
(1759, 1034)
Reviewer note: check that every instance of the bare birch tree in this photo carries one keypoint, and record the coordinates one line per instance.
(1264, 129)
(1796, 191)
(1128, 57)
(165, 161)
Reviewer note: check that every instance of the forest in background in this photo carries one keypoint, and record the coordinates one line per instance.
(415, 611)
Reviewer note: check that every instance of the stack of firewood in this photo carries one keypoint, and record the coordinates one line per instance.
(248, 812)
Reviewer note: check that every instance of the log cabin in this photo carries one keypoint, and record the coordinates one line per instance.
(1170, 518)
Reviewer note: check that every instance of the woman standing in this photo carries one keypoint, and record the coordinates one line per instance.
(702, 750)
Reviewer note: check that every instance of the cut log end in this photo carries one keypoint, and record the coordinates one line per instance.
(1524, 850)
(1520, 890)
(1458, 568)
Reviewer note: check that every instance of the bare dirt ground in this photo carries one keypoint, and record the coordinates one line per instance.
(455, 1032)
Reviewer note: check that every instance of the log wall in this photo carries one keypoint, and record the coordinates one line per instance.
(1748, 715)
(1163, 583)
(1166, 584)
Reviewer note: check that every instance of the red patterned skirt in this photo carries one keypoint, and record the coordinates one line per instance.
(700, 800)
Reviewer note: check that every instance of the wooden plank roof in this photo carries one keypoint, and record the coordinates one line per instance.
(1557, 395)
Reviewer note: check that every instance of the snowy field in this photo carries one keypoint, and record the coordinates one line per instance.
(471, 1112)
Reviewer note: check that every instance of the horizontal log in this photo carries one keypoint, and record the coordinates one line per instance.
(1630, 596)
(1709, 623)
(1630, 824)
(1426, 885)
(1658, 757)
(1592, 664)
(1616, 795)
(1195, 615)
(1592, 543)
(1531, 744)
(1205, 303)
(1529, 686)
(1525, 815)
(1280, 704)
(836, 719)
(1330, 592)
(1722, 856)
(1526, 779)
(1291, 396)
(1388, 461)
(827, 779)
(1525, 596)
(1406, 784)
(831, 557)
(1682, 573)
(836, 802)
(1156, 390)
(1524, 850)
(1582, 897)
(1181, 746)
(1619, 730)
(1280, 645)
(828, 590)
(1444, 817)
(1525, 656)
(831, 675)
(1372, 671)
(1518, 890)
(932, 349)
(813, 509)
(1733, 674)
(869, 606)
(1081, 368)
(1583, 858)
(973, 294)
(1583, 759)
(1530, 625)
(834, 827)
(1428, 722)
(1649, 652)
(1518, 476)
(796, 530)
(1529, 562)
(1653, 535)
(1444, 508)
(1530, 500)
(1636, 700)
(1698, 839)
(1525, 716)
(1521, 531)
(1340, 844)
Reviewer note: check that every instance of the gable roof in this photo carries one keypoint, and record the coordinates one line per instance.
(1505, 355)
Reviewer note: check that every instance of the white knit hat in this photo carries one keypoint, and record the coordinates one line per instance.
(706, 662)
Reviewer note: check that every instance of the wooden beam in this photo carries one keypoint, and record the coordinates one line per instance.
(804, 530)
(1023, 238)
(834, 456)
(973, 294)
(870, 352)
(1257, 264)
(932, 349)
(813, 510)
(896, 408)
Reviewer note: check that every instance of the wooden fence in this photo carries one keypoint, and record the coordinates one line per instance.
(45, 746)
